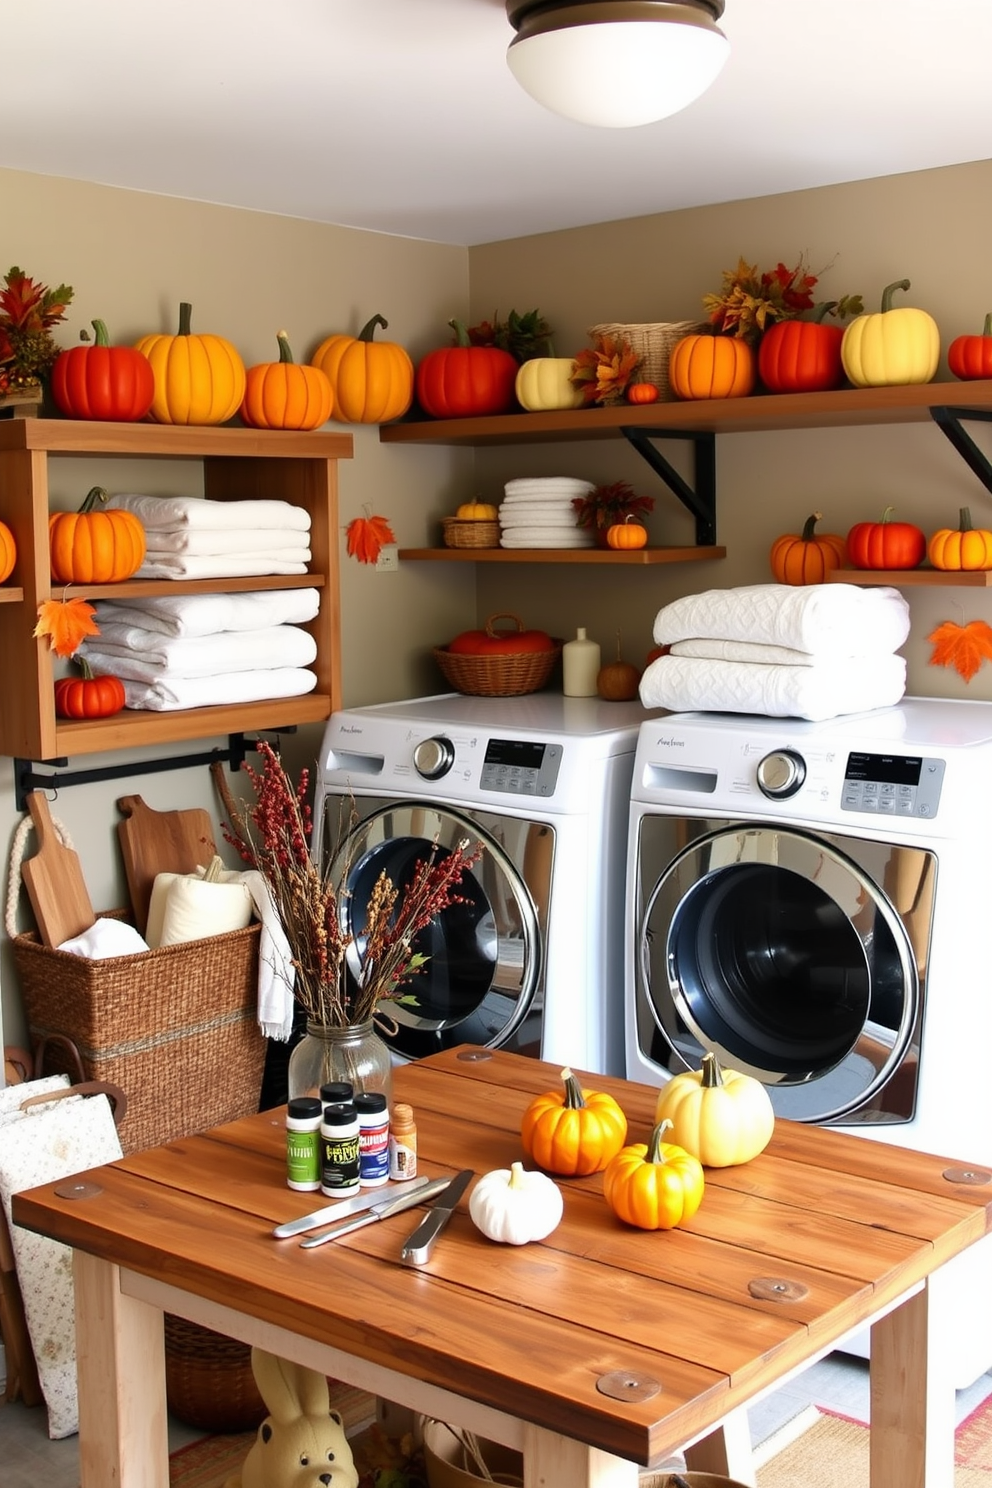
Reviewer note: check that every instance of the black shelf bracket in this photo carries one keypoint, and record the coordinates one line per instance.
(700, 499)
(27, 779)
(948, 420)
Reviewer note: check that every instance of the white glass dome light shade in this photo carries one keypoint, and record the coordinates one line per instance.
(616, 64)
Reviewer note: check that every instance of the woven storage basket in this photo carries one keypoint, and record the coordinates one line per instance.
(652, 341)
(176, 1027)
(507, 675)
(462, 534)
(208, 1378)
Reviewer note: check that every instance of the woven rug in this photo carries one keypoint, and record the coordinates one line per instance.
(820, 1450)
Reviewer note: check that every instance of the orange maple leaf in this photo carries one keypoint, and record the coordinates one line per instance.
(367, 536)
(65, 622)
(963, 647)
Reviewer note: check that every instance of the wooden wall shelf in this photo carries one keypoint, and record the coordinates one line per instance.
(636, 558)
(896, 578)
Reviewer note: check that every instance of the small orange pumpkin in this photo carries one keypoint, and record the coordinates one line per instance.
(8, 552)
(281, 395)
(573, 1131)
(712, 367)
(807, 557)
(642, 392)
(626, 534)
(95, 547)
(969, 549)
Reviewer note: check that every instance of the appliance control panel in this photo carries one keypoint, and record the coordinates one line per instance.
(521, 767)
(892, 784)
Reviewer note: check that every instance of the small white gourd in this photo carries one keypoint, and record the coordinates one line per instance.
(513, 1206)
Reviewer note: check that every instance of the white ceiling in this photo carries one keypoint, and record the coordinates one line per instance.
(401, 116)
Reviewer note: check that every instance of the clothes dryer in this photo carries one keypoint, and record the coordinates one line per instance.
(532, 960)
(810, 902)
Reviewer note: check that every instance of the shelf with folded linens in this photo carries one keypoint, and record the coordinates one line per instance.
(236, 464)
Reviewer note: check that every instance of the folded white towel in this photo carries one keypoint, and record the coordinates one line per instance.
(537, 516)
(530, 485)
(276, 972)
(529, 503)
(822, 619)
(106, 938)
(204, 692)
(147, 655)
(685, 684)
(745, 651)
(164, 542)
(194, 511)
(219, 566)
(547, 537)
(206, 614)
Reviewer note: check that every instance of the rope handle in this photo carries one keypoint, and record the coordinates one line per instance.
(14, 868)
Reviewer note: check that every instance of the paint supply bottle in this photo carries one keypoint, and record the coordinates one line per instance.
(580, 660)
(336, 1093)
(339, 1151)
(303, 1118)
(373, 1139)
(402, 1143)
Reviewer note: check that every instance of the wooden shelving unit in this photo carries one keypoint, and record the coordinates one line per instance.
(635, 559)
(238, 464)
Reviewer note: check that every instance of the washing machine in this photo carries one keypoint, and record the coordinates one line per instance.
(811, 903)
(531, 959)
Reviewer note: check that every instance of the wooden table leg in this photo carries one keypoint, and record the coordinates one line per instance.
(120, 1362)
(553, 1459)
(726, 1451)
(911, 1441)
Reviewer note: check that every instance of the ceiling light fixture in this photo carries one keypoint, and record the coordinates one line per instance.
(616, 63)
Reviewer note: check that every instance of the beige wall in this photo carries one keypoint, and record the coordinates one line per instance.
(131, 258)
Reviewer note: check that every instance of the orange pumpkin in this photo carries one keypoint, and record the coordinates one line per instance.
(8, 552)
(281, 395)
(372, 380)
(712, 367)
(626, 534)
(198, 379)
(967, 549)
(95, 547)
(573, 1131)
(807, 557)
(642, 392)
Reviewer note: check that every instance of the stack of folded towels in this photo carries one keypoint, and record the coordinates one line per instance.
(538, 513)
(191, 538)
(811, 652)
(195, 650)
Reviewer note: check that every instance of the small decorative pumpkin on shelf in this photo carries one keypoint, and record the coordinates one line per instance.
(463, 381)
(199, 379)
(91, 546)
(627, 535)
(893, 347)
(545, 383)
(282, 395)
(721, 1116)
(100, 381)
(513, 1206)
(642, 392)
(89, 695)
(573, 1131)
(656, 1185)
(969, 549)
(806, 557)
(372, 381)
(477, 511)
(970, 357)
(703, 366)
(8, 552)
(618, 681)
(886, 544)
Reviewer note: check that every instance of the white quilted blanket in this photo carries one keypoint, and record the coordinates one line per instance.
(830, 620)
(686, 684)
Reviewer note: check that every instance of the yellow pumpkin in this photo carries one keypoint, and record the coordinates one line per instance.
(544, 383)
(372, 380)
(720, 1116)
(967, 549)
(198, 379)
(712, 367)
(573, 1131)
(477, 511)
(281, 395)
(8, 552)
(891, 348)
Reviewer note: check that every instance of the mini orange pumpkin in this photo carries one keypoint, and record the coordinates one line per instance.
(95, 547)
(573, 1131)
(281, 395)
(642, 392)
(8, 552)
(808, 557)
(626, 534)
(712, 367)
(969, 549)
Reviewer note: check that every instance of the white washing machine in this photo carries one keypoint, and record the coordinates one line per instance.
(532, 960)
(811, 902)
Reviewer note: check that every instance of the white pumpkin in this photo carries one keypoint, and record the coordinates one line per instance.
(512, 1206)
(544, 383)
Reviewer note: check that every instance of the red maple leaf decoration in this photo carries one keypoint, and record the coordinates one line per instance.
(963, 647)
(367, 537)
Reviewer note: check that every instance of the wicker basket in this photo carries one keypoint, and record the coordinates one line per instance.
(176, 1027)
(653, 343)
(464, 534)
(507, 675)
(208, 1379)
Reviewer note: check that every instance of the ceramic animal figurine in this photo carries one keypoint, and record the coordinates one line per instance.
(301, 1443)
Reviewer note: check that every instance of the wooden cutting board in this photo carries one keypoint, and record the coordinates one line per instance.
(54, 881)
(160, 842)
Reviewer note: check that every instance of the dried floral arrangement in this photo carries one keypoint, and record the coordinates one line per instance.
(749, 302)
(340, 978)
(603, 372)
(609, 504)
(28, 311)
(523, 336)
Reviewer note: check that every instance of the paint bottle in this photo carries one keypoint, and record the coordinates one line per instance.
(373, 1139)
(402, 1143)
(303, 1118)
(580, 660)
(336, 1093)
(339, 1152)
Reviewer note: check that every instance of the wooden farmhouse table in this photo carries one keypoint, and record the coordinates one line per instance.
(599, 1351)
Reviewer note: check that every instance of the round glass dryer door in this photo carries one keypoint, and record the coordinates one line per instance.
(778, 953)
(483, 964)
